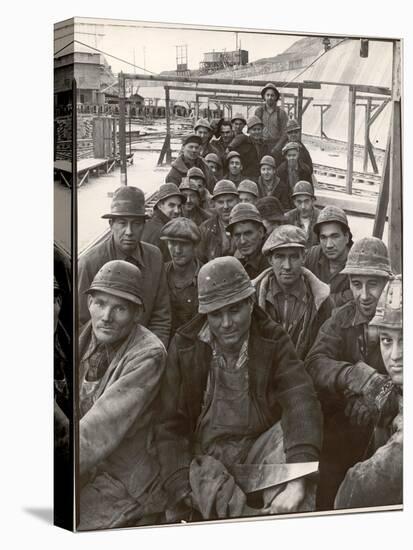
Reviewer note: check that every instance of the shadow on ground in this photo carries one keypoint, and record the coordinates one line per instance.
(44, 514)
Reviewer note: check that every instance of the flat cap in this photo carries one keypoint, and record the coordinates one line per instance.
(169, 190)
(188, 185)
(224, 187)
(267, 160)
(291, 145)
(253, 121)
(232, 154)
(270, 209)
(292, 125)
(181, 229)
(270, 86)
(285, 236)
(127, 201)
(191, 138)
(303, 188)
(239, 116)
(244, 212)
(248, 186)
(212, 157)
(195, 172)
(202, 123)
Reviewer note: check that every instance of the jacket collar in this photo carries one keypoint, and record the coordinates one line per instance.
(159, 216)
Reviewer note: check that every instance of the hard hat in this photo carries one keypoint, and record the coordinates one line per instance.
(238, 116)
(248, 186)
(268, 160)
(389, 311)
(195, 172)
(368, 256)
(119, 278)
(285, 236)
(221, 282)
(244, 212)
(233, 154)
(270, 86)
(191, 138)
(128, 202)
(331, 214)
(181, 229)
(188, 185)
(253, 121)
(292, 125)
(224, 187)
(212, 157)
(169, 190)
(303, 188)
(204, 123)
(291, 145)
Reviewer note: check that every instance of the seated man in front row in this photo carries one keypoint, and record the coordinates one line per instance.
(121, 364)
(238, 413)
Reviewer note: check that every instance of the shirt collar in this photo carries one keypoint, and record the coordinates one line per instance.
(299, 291)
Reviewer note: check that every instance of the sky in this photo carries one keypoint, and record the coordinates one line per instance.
(155, 48)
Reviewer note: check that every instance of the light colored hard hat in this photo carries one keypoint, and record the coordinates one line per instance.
(368, 256)
(119, 278)
(285, 236)
(389, 311)
(244, 212)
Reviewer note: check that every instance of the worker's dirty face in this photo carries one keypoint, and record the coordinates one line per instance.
(333, 240)
(366, 291)
(256, 131)
(269, 98)
(287, 264)
(267, 172)
(230, 324)
(182, 252)
(127, 233)
(293, 135)
(227, 133)
(191, 150)
(391, 347)
(112, 317)
(244, 196)
(224, 204)
(234, 166)
(192, 200)
(171, 206)
(213, 166)
(203, 133)
(248, 237)
(292, 156)
(238, 126)
(305, 205)
(200, 182)
(57, 306)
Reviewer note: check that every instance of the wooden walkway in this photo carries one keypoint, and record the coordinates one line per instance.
(85, 167)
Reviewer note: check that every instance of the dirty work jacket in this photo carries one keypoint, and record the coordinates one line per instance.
(180, 167)
(251, 154)
(304, 156)
(293, 218)
(157, 314)
(339, 283)
(152, 232)
(278, 384)
(211, 245)
(115, 433)
(275, 125)
(281, 191)
(318, 308)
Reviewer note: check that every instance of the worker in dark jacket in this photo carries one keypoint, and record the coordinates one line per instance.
(192, 209)
(346, 366)
(293, 131)
(215, 164)
(188, 158)
(234, 166)
(124, 242)
(305, 214)
(327, 259)
(232, 379)
(248, 232)
(215, 239)
(248, 191)
(226, 135)
(378, 481)
(271, 185)
(238, 123)
(293, 170)
(195, 175)
(288, 292)
(168, 206)
(203, 129)
(251, 147)
(182, 237)
(272, 213)
(274, 119)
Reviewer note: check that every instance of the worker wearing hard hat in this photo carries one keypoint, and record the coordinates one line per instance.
(305, 214)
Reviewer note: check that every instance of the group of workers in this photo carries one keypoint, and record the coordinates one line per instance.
(239, 354)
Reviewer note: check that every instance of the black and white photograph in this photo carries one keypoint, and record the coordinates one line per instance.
(228, 287)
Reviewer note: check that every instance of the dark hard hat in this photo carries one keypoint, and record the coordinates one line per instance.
(270, 209)
(291, 145)
(270, 86)
(222, 282)
(195, 172)
(204, 123)
(267, 160)
(238, 116)
(248, 186)
(292, 125)
(212, 157)
(368, 256)
(389, 311)
(188, 185)
(181, 229)
(285, 236)
(191, 138)
(303, 188)
(169, 190)
(121, 279)
(128, 202)
(332, 214)
(233, 154)
(244, 212)
(253, 121)
(224, 187)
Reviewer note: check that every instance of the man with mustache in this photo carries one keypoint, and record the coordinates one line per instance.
(215, 239)
(378, 481)
(274, 119)
(121, 363)
(347, 367)
(124, 242)
(290, 294)
(232, 380)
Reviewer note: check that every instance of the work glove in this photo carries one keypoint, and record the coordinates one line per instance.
(358, 413)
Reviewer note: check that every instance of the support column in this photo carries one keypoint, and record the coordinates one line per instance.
(168, 126)
(300, 108)
(366, 135)
(350, 138)
(122, 131)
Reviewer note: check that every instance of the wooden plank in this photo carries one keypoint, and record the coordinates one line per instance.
(168, 126)
(300, 108)
(383, 202)
(350, 138)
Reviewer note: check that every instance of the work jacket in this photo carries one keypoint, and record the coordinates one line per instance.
(278, 383)
(212, 243)
(293, 218)
(275, 125)
(318, 308)
(152, 232)
(303, 173)
(251, 153)
(180, 167)
(339, 283)
(157, 314)
(280, 191)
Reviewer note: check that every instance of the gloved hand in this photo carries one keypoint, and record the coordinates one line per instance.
(358, 412)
